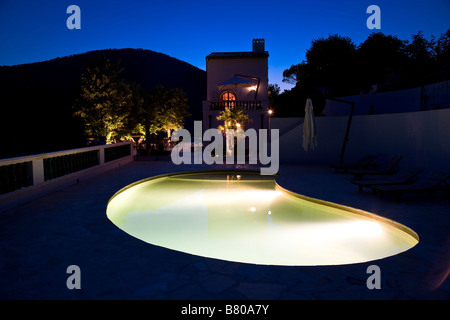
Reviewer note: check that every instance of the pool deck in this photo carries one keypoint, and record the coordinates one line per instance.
(40, 239)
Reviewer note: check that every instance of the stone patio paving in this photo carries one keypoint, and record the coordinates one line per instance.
(40, 239)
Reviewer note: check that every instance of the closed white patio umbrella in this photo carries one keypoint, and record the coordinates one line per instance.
(309, 132)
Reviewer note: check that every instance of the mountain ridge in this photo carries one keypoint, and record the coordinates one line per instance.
(36, 98)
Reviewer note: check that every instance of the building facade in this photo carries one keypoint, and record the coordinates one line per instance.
(238, 80)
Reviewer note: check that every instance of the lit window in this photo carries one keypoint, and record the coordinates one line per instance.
(228, 99)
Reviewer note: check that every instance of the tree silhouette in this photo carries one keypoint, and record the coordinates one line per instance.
(442, 49)
(380, 58)
(330, 65)
(335, 67)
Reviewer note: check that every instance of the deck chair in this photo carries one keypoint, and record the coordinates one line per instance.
(427, 183)
(365, 162)
(388, 168)
(405, 176)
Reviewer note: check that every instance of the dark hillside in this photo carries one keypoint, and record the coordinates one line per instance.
(36, 99)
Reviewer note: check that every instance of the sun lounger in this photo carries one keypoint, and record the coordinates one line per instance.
(365, 162)
(426, 183)
(388, 168)
(405, 176)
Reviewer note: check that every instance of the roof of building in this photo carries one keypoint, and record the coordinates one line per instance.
(244, 54)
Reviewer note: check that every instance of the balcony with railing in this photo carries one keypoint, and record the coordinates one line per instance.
(224, 104)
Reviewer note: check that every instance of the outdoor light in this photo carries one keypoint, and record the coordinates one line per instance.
(270, 111)
(238, 125)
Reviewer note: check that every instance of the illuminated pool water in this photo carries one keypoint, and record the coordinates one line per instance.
(245, 217)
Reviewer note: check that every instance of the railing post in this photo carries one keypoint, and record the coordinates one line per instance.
(38, 171)
(101, 156)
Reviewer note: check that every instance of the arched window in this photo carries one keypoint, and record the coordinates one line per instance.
(228, 99)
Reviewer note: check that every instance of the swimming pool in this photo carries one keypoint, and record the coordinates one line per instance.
(249, 218)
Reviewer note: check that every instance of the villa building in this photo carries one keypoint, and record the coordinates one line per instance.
(238, 80)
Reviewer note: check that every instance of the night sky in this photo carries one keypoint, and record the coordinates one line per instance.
(32, 31)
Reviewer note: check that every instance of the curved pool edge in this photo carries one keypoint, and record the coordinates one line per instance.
(338, 206)
(168, 175)
(353, 210)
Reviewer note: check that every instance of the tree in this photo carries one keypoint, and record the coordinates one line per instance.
(163, 110)
(428, 59)
(421, 59)
(335, 67)
(132, 124)
(233, 118)
(148, 116)
(172, 110)
(290, 75)
(442, 49)
(329, 66)
(420, 50)
(274, 93)
(105, 100)
(379, 59)
(329, 69)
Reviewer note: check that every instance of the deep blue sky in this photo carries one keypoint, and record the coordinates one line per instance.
(189, 30)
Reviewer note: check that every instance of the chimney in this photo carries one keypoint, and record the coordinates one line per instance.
(258, 45)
